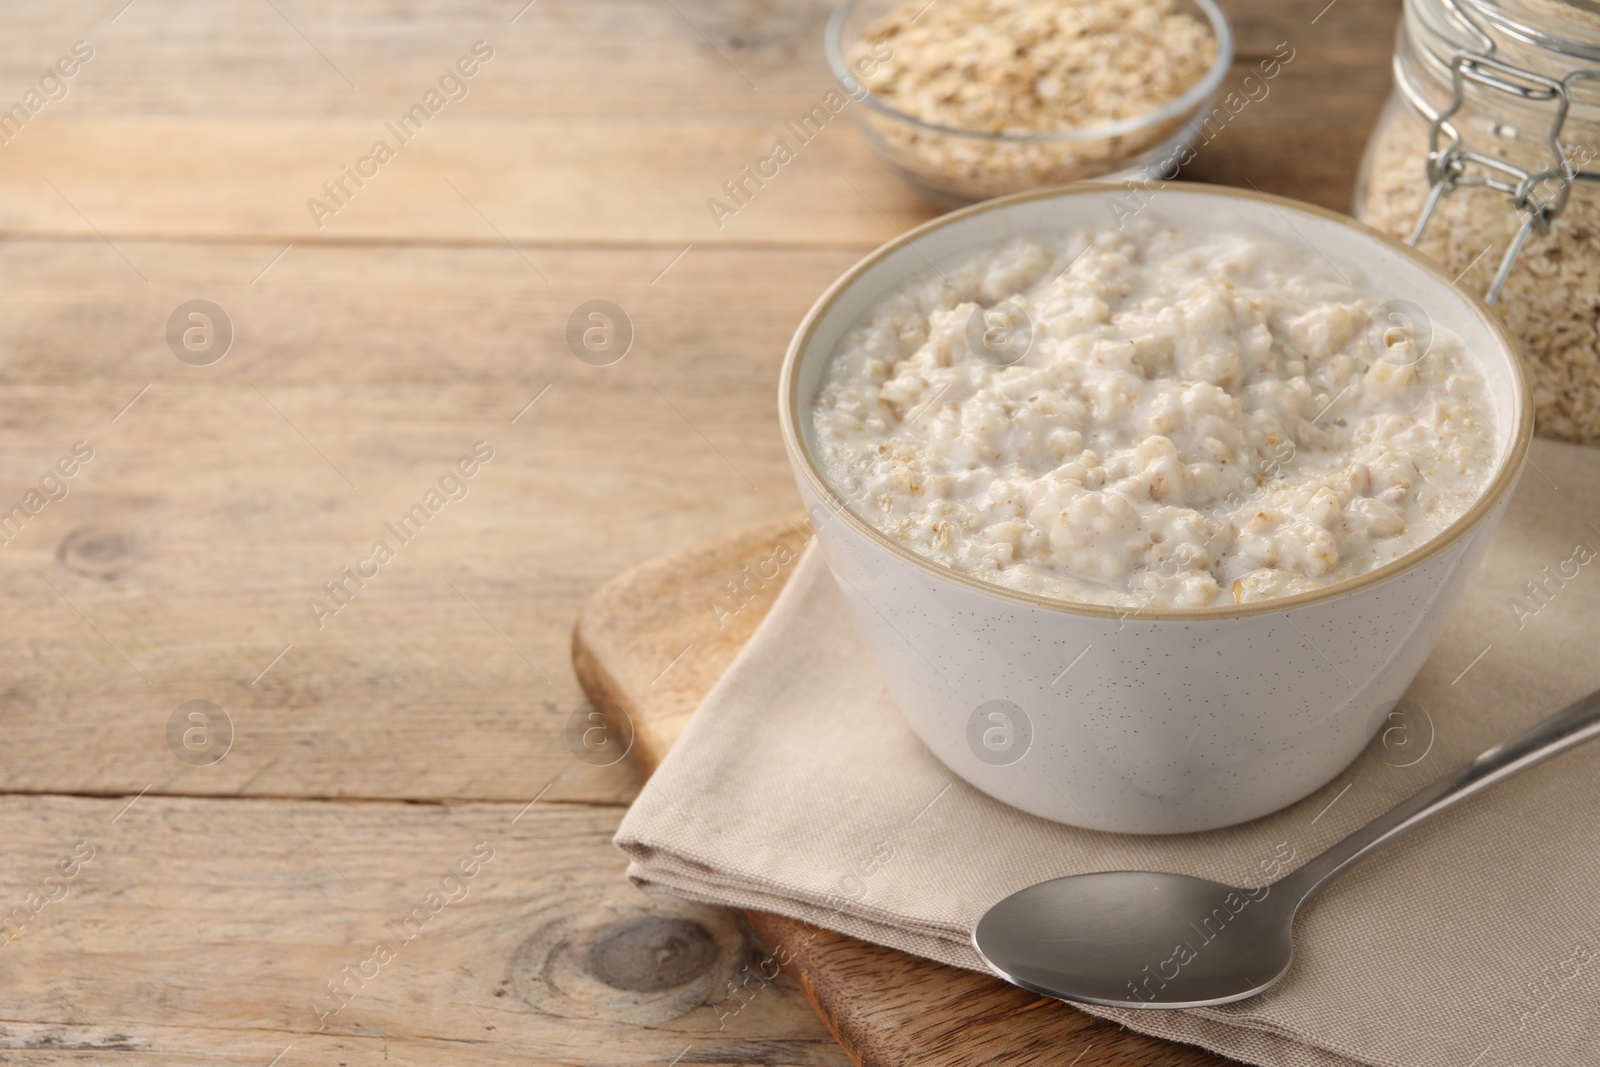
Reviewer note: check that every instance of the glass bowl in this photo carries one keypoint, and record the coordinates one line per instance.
(952, 167)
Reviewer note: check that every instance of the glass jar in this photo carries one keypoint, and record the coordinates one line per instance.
(1487, 156)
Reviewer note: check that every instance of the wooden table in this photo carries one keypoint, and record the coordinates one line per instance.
(416, 723)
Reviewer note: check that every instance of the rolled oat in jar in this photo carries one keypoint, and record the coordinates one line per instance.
(1492, 143)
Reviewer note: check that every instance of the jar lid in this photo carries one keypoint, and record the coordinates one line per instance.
(1564, 27)
(1555, 40)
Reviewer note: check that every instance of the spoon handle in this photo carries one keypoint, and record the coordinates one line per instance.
(1571, 726)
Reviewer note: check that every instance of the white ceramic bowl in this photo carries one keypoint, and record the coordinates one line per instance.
(1169, 720)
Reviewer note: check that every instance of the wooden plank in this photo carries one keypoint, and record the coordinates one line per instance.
(376, 349)
(885, 1007)
(465, 180)
(193, 540)
(629, 149)
(244, 59)
(609, 122)
(674, 627)
(1303, 133)
(207, 931)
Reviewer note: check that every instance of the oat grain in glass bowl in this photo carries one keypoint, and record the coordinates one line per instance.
(971, 99)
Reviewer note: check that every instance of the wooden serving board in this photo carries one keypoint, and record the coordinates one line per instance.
(650, 644)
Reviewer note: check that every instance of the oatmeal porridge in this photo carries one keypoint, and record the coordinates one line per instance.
(1155, 416)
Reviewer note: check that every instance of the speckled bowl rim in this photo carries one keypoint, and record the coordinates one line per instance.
(1499, 486)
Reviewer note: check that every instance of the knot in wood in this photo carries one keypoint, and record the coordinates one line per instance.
(100, 554)
(651, 953)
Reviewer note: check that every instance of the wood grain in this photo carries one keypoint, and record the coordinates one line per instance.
(551, 145)
(422, 317)
(465, 180)
(226, 521)
(205, 932)
(885, 1006)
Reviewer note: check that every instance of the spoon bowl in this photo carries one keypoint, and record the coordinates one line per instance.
(1132, 939)
(1138, 939)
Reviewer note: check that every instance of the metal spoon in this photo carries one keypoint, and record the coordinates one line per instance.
(1134, 939)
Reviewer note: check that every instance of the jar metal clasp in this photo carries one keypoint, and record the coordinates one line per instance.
(1537, 195)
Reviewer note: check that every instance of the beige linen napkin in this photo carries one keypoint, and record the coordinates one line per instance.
(1473, 941)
